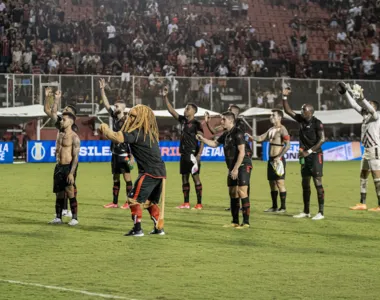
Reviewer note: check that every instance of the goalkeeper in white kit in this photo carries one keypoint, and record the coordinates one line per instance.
(370, 139)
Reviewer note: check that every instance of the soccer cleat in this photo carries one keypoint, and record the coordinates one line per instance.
(243, 226)
(184, 206)
(198, 206)
(73, 222)
(231, 225)
(302, 215)
(132, 232)
(281, 211)
(227, 209)
(157, 231)
(56, 221)
(318, 217)
(359, 206)
(111, 205)
(272, 209)
(125, 206)
(377, 209)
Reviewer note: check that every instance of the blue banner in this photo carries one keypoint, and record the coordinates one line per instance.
(6, 152)
(332, 151)
(99, 151)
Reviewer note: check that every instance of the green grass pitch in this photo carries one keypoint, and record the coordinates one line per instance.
(279, 257)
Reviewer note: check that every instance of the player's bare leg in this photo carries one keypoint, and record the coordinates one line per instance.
(364, 173)
(129, 185)
(246, 206)
(198, 190)
(186, 192)
(235, 206)
(273, 194)
(376, 180)
(281, 188)
(321, 198)
(306, 192)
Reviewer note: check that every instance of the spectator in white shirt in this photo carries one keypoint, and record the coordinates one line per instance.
(2, 6)
(375, 49)
(27, 59)
(341, 36)
(271, 97)
(171, 27)
(111, 31)
(243, 71)
(16, 55)
(222, 70)
(367, 66)
(182, 58)
(257, 65)
(53, 64)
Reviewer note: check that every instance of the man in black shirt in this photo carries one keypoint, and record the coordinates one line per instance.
(190, 150)
(312, 137)
(52, 113)
(239, 123)
(121, 158)
(239, 164)
(140, 131)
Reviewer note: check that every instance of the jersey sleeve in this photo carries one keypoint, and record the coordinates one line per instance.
(319, 128)
(181, 118)
(241, 125)
(239, 138)
(222, 139)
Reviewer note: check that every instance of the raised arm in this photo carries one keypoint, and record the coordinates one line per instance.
(344, 90)
(75, 159)
(288, 110)
(168, 105)
(211, 143)
(51, 112)
(102, 84)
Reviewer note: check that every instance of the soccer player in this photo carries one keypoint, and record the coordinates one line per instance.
(279, 142)
(190, 151)
(120, 152)
(312, 137)
(239, 123)
(140, 131)
(370, 138)
(239, 166)
(52, 113)
(67, 154)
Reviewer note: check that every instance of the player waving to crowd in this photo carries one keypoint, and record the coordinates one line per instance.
(312, 136)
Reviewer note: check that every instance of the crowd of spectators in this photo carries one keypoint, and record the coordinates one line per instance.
(161, 38)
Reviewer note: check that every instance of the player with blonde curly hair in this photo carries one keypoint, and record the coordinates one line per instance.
(140, 131)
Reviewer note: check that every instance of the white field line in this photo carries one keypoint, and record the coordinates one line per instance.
(51, 287)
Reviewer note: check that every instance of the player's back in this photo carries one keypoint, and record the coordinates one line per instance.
(146, 153)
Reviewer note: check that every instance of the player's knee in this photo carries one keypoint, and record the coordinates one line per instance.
(305, 184)
(127, 177)
(242, 191)
(147, 204)
(185, 179)
(234, 192)
(364, 174)
(116, 177)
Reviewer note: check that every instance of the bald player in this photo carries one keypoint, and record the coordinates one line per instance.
(312, 136)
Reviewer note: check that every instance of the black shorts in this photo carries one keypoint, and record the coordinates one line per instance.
(185, 165)
(244, 177)
(271, 174)
(119, 164)
(61, 172)
(145, 188)
(313, 166)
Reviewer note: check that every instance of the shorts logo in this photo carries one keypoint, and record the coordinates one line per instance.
(38, 151)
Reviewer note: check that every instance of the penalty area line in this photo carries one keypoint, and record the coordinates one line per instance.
(51, 287)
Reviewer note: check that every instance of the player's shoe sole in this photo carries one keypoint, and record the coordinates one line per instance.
(359, 207)
(243, 226)
(73, 222)
(302, 215)
(233, 225)
(134, 233)
(155, 231)
(375, 209)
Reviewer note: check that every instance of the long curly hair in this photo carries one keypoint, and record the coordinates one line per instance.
(144, 120)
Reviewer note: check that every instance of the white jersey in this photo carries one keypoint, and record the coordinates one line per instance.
(371, 136)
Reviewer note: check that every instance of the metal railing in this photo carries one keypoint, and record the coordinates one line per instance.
(214, 93)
